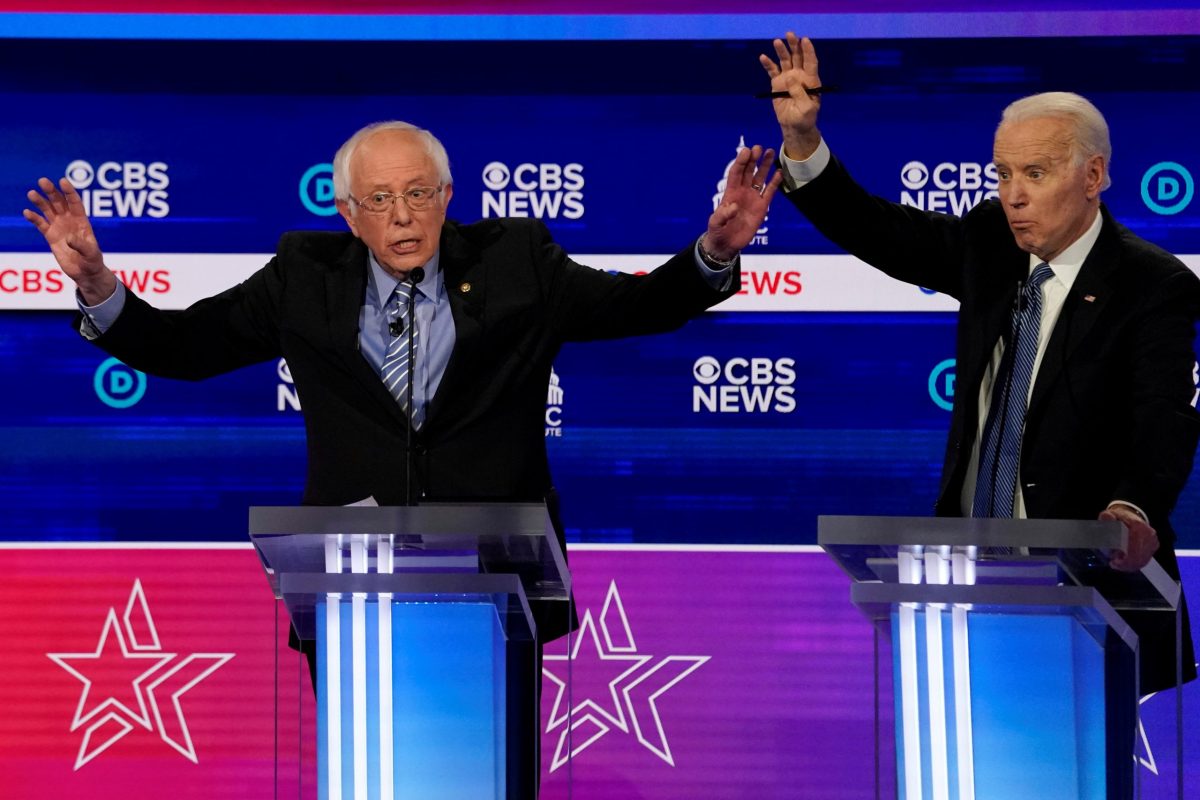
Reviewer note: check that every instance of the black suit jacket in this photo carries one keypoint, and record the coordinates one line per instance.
(1110, 416)
(515, 298)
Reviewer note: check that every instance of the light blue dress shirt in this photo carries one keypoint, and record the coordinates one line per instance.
(431, 307)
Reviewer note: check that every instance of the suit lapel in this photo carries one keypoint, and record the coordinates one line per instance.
(1087, 299)
(345, 290)
(995, 319)
(464, 278)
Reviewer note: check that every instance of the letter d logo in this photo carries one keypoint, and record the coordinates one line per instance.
(117, 385)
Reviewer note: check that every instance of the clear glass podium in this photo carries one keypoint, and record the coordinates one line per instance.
(421, 622)
(1013, 675)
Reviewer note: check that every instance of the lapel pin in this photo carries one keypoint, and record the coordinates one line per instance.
(466, 287)
(1089, 298)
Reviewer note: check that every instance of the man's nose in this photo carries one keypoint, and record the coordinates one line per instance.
(401, 215)
(1017, 196)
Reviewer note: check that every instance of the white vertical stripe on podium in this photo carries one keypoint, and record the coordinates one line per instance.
(937, 573)
(963, 574)
(939, 756)
(333, 673)
(962, 706)
(910, 572)
(358, 686)
(385, 564)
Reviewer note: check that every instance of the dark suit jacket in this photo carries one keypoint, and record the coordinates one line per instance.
(515, 297)
(1111, 414)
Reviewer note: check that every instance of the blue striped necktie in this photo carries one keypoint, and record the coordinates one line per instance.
(396, 368)
(1000, 453)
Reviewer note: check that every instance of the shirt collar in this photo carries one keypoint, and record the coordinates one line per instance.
(384, 283)
(1070, 261)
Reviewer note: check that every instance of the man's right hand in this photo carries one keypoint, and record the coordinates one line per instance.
(65, 225)
(796, 74)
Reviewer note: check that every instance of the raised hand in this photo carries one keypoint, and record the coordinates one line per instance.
(61, 219)
(748, 192)
(795, 72)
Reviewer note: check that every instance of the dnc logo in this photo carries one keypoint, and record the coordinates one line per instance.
(941, 384)
(1167, 188)
(117, 385)
(316, 190)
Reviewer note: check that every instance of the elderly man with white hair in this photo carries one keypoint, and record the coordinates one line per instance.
(1075, 359)
(487, 304)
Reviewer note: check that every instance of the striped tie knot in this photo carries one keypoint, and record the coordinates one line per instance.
(1041, 274)
(397, 304)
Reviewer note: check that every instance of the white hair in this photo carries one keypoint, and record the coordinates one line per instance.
(341, 159)
(1091, 131)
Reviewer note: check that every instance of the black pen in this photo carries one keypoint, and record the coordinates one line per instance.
(817, 92)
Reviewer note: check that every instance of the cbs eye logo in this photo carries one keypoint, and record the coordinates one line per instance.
(914, 175)
(496, 176)
(706, 370)
(80, 173)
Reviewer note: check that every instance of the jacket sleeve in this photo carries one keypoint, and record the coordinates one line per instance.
(237, 327)
(583, 303)
(924, 248)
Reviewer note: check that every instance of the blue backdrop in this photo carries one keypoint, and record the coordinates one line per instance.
(207, 145)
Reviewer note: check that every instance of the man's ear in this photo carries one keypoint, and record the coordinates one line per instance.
(1094, 170)
(347, 214)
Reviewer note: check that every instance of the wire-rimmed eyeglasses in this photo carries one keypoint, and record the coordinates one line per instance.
(418, 198)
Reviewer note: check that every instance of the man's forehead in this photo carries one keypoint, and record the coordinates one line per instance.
(389, 151)
(1041, 138)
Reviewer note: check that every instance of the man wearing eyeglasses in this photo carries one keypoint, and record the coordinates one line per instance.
(496, 301)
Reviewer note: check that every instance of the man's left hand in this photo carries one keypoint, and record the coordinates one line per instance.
(1143, 541)
(748, 191)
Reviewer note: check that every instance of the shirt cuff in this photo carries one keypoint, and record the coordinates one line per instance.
(99, 318)
(799, 173)
(1136, 510)
(718, 279)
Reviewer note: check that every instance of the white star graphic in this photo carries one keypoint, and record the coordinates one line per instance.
(1148, 760)
(627, 700)
(106, 729)
(152, 663)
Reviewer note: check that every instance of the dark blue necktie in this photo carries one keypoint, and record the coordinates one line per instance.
(1000, 453)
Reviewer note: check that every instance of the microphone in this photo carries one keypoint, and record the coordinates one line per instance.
(415, 276)
(1000, 395)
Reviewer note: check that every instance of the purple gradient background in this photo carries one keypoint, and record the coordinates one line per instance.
(783, 709)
